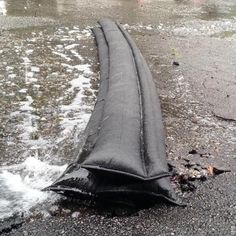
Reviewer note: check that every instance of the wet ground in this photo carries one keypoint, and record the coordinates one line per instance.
(48, 82)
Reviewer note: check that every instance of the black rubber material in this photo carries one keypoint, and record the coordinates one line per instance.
(123, 157)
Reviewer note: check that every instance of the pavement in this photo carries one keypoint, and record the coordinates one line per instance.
(197, 94)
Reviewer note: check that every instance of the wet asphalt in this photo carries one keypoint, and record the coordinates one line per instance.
(197, 97)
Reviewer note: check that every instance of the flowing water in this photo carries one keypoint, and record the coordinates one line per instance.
(47, 93)
(49, 78)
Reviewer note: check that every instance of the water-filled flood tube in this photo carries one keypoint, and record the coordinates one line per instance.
(123, 158)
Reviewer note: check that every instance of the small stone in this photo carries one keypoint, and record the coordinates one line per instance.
(175, 63)
(25, 233)
(193, 152)
(66, 211)
(203, 178)
(45, 214)
(76, 214)
(188, 187)
(54, 210)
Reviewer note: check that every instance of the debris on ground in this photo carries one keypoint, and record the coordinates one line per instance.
(175, 63)
(193, 169)
(201, 153)
(214, 171)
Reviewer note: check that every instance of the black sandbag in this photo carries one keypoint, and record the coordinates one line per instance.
(123, 158)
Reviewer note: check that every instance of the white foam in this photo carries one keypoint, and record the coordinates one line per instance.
(3, 10)
(86, 32)
(67, 39)
(12, 76)
(30, 74)
(80, 82)
(77, 106)
(26, 60)
(24, 90)
(28, 124)
(26, 105)
(21, 185)
(85, 68)
(68, 47)
(29, 51)
(30, 80)
(8, 68)
(4, 203)
(35, 69)
(76, 54)
(149, 27)
(62, 55)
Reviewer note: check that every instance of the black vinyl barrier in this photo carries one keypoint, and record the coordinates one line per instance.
(123, 158)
